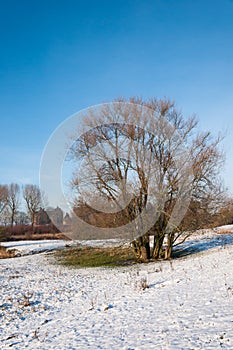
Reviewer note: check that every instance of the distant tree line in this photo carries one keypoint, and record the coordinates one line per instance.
(27, 206)
(24, 214)
(12, 199)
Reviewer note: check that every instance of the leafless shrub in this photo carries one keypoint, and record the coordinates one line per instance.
(144, 283)
(26, 299)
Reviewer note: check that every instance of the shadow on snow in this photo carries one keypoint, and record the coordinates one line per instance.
(197, 246)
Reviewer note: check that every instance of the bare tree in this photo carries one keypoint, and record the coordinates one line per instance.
(13, 201)
(33, 198)
(145, 162)
(3, 197)
(21, 218)
(6, 216)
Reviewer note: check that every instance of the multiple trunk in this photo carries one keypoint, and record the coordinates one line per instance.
(160, 247)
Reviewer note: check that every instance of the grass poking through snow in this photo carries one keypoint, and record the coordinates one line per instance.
(95, 257)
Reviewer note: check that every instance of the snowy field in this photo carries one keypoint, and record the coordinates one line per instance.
(188, 305)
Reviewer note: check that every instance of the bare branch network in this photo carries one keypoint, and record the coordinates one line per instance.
(140, 168)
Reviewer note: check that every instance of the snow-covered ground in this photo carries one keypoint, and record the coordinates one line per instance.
(23, 248)
(188, 305)
(33, 247)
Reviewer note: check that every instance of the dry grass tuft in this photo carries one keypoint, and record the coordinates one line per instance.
(224, 230)
(5, 254)
(144, 283)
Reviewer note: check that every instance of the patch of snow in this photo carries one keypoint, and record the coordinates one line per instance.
(34, 247)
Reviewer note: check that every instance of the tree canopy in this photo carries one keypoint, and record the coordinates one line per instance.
(139, 165)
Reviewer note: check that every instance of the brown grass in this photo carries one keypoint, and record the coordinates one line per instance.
(5, 254)
(225, 231)
(34, 237)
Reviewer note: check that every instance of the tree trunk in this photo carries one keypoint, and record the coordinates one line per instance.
(168, 250)
(143, 254)
(33, 219)
(12, 218)
(141, 248)
(158, 244)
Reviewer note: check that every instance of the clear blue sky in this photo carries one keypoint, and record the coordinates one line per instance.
(58, 57)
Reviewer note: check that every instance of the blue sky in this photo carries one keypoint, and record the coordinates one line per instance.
(58, 57)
